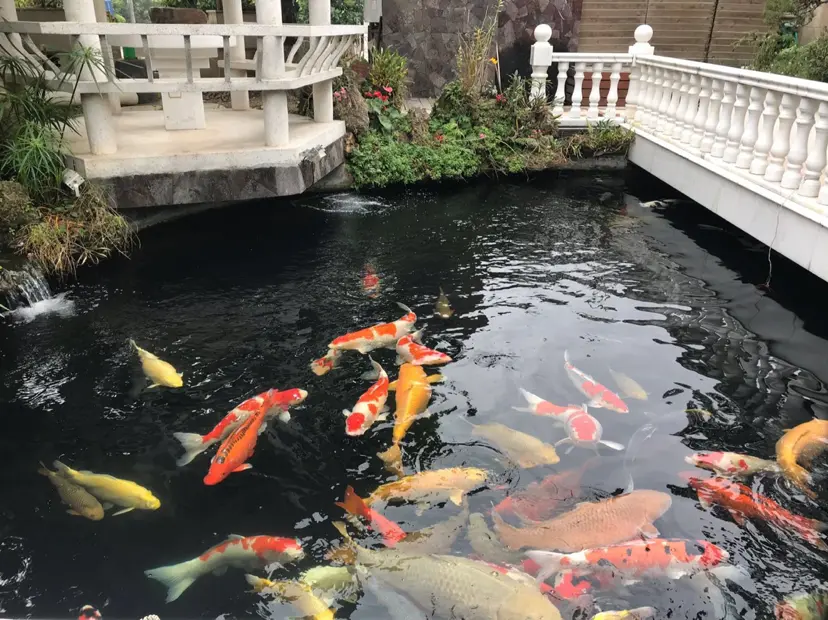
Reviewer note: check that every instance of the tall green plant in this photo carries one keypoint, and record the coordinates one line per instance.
(389, 70)
(475, 54)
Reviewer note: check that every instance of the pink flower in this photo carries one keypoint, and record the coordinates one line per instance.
(500, 98)
(369, 95)
(482, 135)
(377, 93)
(438, 137)
(388, 89)
(384, 98)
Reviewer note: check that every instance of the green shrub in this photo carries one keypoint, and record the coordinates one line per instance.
(806, 61)
(16, 208)
(601, 138)
(389, 70)
(342, 11)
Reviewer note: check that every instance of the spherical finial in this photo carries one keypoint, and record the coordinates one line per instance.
(543, 33)
(643, 33)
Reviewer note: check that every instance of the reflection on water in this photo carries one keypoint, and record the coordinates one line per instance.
(249, 301)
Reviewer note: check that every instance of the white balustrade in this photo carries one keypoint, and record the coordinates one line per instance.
(754, 113)
(612, 95)
(701, 115)
(681, 109)
(540, 58)
(560, 88)
(712, 122)
(723, 127)
(792, 177)
(655, 101)
(664, 103)
(577, 92)
(781, 138)
(761, 149)
(595, 91)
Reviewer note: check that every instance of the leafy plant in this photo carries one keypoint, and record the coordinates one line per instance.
(475, 54)
(389, 118)
(601, 138)
(388, 71)
(342, 11)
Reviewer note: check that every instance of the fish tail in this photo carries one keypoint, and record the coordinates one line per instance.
(44, 471)
(347, 553)
(532, 399)
(353, 503)
(392, 458)
(176, 577)
(377, 368)
(549, 562)
(406, 308)
(133, 345)
(193, 445)
(566, 358)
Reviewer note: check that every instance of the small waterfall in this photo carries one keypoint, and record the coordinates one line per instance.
(23, 286)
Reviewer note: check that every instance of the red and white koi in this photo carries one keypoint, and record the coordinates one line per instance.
(410, 350)
(370, 282)
(275, 401)
(731, 464)
(370, 407)
(635, 560)
(246, 552)
(326, 363)
(599, 395)
(583, 430)
(236, 450)
(376, 337)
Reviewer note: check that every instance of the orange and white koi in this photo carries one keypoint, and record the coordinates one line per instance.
(370, 282)
(246, 552)
(273, 401)
(378, 336)
(233, 454)
(326, 363)
(659, 557)
(743, 503)
(599, 395)
(355, 505)
(370, 406)
(731, 464)
(583, 430)
(410, 350)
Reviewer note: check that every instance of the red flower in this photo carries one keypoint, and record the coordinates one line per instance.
(377, 93)
(388, 89)
(482, 135)
(500, 98)
(369, 95)
(439, 137)
(384, 98)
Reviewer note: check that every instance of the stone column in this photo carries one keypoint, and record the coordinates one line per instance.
(97, 111)
(320, 15)
(540, 57)
(641, 47)
(239, 99)
(274, 102)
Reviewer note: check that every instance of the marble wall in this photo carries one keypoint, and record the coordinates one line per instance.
(427, 32)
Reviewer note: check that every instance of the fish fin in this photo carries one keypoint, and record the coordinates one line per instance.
(523, 409)
(235, 537)
(424, 414)
(420, 508)
(612, 444)
(193, 445)
(648, 530)
(675, 573)
(284, 416)
(417, 336)
(177, 577)
(737, 516)
(107, 505)
(392, 458)
(346, 413)
(123, 511)
(456, 497)
(392, 386)
(563, 441)
(569, 449)
(369, 375)
(242, 467)
(705, 501)
(382, 415)
(399, 361)
(353, 503)
(180, 374)
(74, 513)
(262, 428)
(63, 470)
(220, 571)
(364, 349)
(154, 385)
(549, 562)
(438, 378)
(566, 357)
(133, 345)
(406, 308)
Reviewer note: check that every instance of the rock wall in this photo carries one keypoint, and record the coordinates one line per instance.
(427, 32)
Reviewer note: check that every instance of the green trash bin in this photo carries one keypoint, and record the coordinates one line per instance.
(129, 53)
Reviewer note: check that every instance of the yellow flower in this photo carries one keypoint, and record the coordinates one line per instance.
(493, 60)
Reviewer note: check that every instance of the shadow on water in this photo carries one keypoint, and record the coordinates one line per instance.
(242, 299)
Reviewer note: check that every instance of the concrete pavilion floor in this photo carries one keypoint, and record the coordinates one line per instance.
(232, 139)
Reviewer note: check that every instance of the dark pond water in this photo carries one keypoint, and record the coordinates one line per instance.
(242, 299)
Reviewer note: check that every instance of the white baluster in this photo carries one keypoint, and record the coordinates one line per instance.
(691, 108)
(681, 110)
(781, 138)
(643, 94)
(763, 144)
(737, 124)
(754, 113)
(799, 148)
(658, 94)
(701, 115)
(723, 126)
(540, 57)
(712, 116)
(612, 95)
(560, 88)
(670, 115)
(664, 104)
(577, 91)
(823, 193)
(816, 155)
(595, 91)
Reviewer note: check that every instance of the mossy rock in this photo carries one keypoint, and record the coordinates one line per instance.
(16, 208)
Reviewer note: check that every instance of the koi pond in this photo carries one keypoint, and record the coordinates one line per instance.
(675, 349)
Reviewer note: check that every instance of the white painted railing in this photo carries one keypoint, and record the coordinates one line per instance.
(771, 129)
